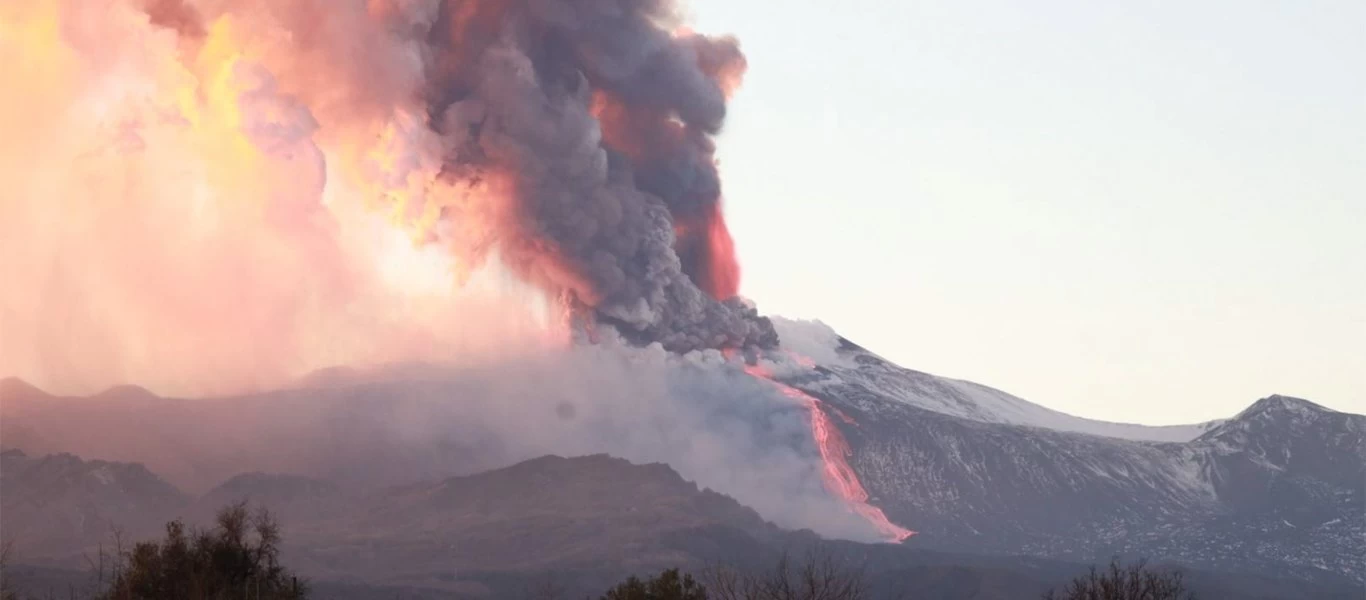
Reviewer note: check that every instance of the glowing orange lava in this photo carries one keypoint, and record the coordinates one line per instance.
(839, 477)
(721, 273)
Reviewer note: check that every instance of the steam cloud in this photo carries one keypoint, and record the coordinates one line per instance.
(698, 412)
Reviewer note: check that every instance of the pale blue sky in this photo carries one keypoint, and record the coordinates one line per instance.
(1138, 211)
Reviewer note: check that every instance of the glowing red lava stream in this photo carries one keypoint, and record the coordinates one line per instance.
(839, 477)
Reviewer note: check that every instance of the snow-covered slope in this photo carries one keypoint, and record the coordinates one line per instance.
(850, 364)
(969, 400)
(1278, 487)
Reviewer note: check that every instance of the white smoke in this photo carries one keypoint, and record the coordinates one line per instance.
(812, 339)
(699, 413)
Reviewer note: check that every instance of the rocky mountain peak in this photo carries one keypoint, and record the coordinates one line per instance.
(1277, 404)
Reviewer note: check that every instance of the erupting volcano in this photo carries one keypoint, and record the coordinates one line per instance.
(194, 177)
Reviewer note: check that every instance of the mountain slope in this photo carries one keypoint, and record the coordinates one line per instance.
(291, 498)
(1279, 486)
(587, 514)
(60, 501)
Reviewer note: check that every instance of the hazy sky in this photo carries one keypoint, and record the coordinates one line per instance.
(1137, 211)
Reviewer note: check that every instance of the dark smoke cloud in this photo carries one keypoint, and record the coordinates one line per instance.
(524, 85)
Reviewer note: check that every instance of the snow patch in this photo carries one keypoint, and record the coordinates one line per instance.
(103, 475)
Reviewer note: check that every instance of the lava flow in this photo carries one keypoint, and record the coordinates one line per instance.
(840, 478)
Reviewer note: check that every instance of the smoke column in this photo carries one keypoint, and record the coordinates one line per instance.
(598, 122)
(187, 178)
(581, 133)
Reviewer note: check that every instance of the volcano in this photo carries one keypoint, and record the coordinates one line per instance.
(434, 201)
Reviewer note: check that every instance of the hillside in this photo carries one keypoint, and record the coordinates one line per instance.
(1278, 486)
(580, 523)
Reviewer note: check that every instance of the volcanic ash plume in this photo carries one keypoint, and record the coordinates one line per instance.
(214, 197)
(278, 181)
(579, 136)
(598, 121)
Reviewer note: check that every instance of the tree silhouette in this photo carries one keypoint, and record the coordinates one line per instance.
(668, 585)
(819, 576)
(6, 592)
(1120, 582)
(237, 559)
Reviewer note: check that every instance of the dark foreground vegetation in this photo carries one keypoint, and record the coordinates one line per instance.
(1125, 582)
(238, 558)
(820, 577)
(817, 577)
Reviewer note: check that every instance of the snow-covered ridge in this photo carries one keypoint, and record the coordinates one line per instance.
(999, 407)
(844, 363)
(1283, 404)
(968, 400)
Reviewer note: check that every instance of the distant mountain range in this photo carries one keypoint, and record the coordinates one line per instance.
(1006, 495)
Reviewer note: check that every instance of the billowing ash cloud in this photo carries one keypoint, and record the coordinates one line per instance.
(602, 120)
(597, 122)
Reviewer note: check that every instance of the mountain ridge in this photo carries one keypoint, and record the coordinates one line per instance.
(969, 398)
(975, 401)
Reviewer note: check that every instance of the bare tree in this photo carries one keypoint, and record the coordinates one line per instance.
(1119, 582)
(819, 576)
(6, 553)
(107, 565)
(546, 588)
